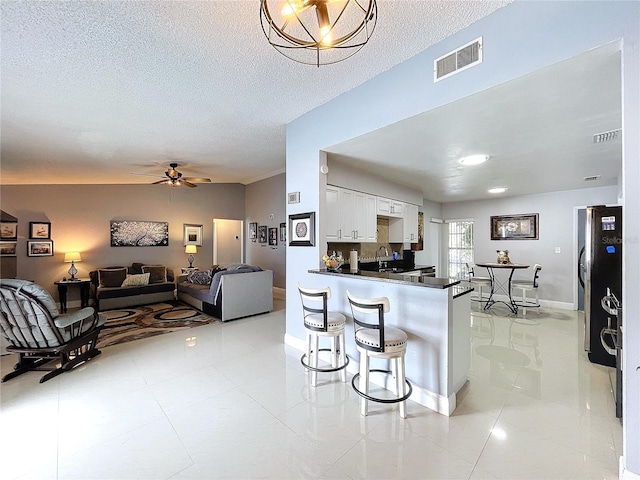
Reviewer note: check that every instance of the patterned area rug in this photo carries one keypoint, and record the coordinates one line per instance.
(134, 323)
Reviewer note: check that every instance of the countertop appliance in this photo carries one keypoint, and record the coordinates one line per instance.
(602, 266)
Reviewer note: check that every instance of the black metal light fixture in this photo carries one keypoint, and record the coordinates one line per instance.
(318, 32)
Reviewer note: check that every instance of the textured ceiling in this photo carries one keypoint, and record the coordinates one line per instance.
(92, 91)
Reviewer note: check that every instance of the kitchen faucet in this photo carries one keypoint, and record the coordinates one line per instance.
(386, 254)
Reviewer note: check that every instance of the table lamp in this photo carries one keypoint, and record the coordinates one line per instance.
(190, 249)
(72, 257)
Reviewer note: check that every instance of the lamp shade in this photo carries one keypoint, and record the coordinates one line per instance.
(190, 249)
(72, 257)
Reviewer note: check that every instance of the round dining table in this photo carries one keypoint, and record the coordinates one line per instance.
(501, 286)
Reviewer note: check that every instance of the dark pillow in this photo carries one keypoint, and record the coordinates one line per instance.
(158, 273)
(201, 278)
(136, 268)
(112, 277)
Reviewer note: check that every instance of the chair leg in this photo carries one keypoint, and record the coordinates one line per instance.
(314, 363)
(524, 302)
(364, 382)
(334, 352)
(308, 351)
(401, 385)
(343, 358)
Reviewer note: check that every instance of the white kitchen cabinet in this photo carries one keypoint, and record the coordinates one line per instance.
(332, 218)
(410, 223)
(351, 216)
(386, 207)
(405, 229)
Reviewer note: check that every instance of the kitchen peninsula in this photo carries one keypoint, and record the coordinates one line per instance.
(435, 314)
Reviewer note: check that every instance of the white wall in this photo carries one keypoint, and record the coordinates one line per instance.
(556, 229)
(430, 255)
(548, 32)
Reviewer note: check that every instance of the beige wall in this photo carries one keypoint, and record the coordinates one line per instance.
(80, 217)
(263, 199)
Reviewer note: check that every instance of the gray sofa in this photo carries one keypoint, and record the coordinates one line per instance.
(235, 293)
(108, 295)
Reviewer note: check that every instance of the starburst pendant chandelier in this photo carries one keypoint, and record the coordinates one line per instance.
(318, 32)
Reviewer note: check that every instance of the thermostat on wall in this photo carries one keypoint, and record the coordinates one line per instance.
(293, 197)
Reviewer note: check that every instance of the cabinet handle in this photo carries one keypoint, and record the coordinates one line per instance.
(339, 233)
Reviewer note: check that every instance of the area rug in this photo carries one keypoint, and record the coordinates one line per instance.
(128, 324)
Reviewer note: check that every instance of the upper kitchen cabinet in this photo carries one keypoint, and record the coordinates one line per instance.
(404, 230)
(389, 208)
(351, 216)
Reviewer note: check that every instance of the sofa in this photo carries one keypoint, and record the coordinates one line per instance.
(138, 284)
(236, 291)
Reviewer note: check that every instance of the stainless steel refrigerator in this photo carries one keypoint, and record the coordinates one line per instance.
(602, 277)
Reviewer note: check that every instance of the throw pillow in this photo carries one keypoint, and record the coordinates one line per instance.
(158, 273)
(201, 278)
(112, 277)
(136, 280)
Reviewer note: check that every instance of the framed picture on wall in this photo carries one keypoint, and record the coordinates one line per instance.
(8, 249)
(8, 230)
(40, 230)
(262, 234)
(192, 234)
(37, 248)
(253, 231)
(302, 229)
(514, 227)
(273, 236)
(283, 232)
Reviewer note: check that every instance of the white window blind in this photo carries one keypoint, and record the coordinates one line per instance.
(460, 248)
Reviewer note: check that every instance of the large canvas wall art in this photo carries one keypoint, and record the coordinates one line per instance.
(125, 233)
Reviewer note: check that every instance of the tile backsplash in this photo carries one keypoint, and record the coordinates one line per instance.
(367, 251)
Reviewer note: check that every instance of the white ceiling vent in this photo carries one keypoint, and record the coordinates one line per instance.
(606, 136)
(453, 62)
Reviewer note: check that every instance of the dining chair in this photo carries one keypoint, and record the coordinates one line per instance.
(477, 282)
(528, 286)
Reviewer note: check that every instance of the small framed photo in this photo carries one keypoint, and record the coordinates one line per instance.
(37, 248)
(40, 230)
(273, 236)
(192, 234)
(253, 231)
(8, 230)
(283, 232)
(262, 234)
(514, 227)
(8, 249)
(302, 229)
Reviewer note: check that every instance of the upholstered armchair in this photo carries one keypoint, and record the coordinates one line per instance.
(42, 338)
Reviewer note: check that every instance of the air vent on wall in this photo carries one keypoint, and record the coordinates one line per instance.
(606, 136)
(453, 62)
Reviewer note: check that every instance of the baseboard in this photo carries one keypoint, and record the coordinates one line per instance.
(424, 397)
(625, 474)
(279, 293)
(543, 303)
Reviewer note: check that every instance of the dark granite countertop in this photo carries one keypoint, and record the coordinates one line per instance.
(416, 280)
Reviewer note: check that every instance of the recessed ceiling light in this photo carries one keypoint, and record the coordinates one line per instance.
(497, 190)
(473, 159)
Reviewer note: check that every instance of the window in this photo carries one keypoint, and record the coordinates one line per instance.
(460, 248)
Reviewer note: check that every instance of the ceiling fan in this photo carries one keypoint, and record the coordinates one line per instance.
(174, 178)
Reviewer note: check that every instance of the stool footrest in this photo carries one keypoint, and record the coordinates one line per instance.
(324, 369)
(381, 400)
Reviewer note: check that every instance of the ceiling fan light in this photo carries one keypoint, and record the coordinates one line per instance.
(497, 190)
(473, 159)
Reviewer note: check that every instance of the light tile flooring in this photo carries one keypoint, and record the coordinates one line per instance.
(238, 404)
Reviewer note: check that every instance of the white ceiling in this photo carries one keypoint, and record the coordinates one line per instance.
(92, 91)
(537, 129)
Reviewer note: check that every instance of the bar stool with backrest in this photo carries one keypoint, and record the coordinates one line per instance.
(374, 339)
(320, 322)
(477, 282)
(528, 286)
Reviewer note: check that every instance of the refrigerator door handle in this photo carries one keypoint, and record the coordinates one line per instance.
(581, 267)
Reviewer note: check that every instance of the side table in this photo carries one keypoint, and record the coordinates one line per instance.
(83, 283)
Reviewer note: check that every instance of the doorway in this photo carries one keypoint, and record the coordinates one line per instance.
(228, 241)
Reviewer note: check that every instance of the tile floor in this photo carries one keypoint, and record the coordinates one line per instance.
(238, 404)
